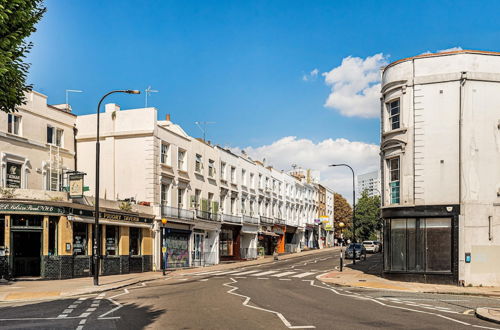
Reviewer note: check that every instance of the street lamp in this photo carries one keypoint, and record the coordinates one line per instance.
(96, 248)
(353, 210)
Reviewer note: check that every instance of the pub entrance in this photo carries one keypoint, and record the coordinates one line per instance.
(26, 250)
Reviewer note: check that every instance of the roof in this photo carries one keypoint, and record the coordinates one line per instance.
(464, 51)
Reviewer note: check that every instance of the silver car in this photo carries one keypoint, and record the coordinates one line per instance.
(371, 246)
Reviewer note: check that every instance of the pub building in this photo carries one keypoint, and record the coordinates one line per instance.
(53, 240)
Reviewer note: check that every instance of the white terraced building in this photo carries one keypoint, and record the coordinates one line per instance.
(211, 204)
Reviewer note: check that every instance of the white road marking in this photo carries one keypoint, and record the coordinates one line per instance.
(248, 272)
(91, 309)
(285, 279)
(83, 315)
(247, 300)
(229, 272)
(240, 277)
(265, 273)
(203, 280)
(303, 274)
(262, 278)
(283, 274)
(202, 273)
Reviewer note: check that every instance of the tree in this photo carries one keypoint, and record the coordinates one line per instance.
(17, 22)
(367, 217)
(342, 213)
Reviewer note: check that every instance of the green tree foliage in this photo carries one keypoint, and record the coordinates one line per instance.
(17, 22)
(368, 222)
(342, 213)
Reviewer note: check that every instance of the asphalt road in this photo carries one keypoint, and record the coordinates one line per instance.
(284, 294)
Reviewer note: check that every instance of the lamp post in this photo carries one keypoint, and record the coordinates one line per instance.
(353, 211)
(96, 248)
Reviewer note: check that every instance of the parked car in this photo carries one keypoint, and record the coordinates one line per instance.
(371, 246)
(355, 249)
(379, 243)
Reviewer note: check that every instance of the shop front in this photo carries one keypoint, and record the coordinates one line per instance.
(229, 242)
(48, 240)
(249, 241)
(267, 241)
(174, 242)
(280, 244)
(204, 241)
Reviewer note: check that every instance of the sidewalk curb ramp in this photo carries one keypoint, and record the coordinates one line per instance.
(488, 314)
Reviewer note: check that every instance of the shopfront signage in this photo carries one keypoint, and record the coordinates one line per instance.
(13, 177)
(278, 230)
(317, 221)
(123, 217)
(76, 185)
(328, 227)
(9, 207)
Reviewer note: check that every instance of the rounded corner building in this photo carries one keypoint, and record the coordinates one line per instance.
(440, 165)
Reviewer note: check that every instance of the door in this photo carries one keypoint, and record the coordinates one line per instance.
(26, 249)
(198, 249)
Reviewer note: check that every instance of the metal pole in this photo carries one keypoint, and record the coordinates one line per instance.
(353, 216)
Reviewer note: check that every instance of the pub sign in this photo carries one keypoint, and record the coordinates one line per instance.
(13, 179)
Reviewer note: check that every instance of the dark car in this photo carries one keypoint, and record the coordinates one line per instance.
(359, 250)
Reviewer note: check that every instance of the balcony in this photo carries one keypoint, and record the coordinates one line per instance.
(249, 219)
(280, 221)
(205, 215)
(231, 218)
(174, 212)
(266, 220)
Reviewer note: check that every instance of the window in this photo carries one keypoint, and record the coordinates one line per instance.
(54, 136)
(111, 240)
(252, 180)
(223, 171)
(181, 161)
(180, 198)
(243, 177)
(197, 197)
(260, 181)
(393, 108)
(243, 203)
(2, 231)
(211, 168)
(53, 235)
(226, 242)
(14, 124)
(233, 206)
(198, 166)
(394, 182)
(233, 174)
(80, 238)
(53, 180)
(164, 159)
(165, 189)
(135, 241)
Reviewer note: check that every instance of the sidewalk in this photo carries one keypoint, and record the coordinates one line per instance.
(368, 274)
(22, 291)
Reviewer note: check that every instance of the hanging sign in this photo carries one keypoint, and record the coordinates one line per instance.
(76, 185)
(13, 176)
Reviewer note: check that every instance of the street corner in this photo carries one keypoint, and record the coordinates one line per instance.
(488, 314)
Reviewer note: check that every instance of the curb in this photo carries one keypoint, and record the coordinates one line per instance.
(481, 316)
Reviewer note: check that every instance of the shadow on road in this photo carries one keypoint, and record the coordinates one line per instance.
(373, 265)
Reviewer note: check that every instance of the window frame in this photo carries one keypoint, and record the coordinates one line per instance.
(139, 241)
(211, 168)
(198, 163)
(164, 153)
(391, 116)
(390, 170)
(11, 124)
(181, 161)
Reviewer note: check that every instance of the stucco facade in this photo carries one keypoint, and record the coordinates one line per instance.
(440, 154)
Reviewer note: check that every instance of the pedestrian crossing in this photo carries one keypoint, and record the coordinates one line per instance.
(259, 273)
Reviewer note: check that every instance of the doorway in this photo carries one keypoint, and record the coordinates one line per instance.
(198, 249)
(26, 251)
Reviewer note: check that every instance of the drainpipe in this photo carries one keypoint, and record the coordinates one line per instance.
(75, 131)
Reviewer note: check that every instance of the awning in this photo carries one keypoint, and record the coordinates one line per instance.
(248, 232)
(268, 233)
(108, 222)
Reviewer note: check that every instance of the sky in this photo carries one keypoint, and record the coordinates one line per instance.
(295, 82)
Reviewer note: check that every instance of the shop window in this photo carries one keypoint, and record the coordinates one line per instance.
(22, 220)
(438, 244)
(53, 235)
(80, 239)
(135, 241)
(112, 240)
(226, 243)
(2, 232)
(14, 124)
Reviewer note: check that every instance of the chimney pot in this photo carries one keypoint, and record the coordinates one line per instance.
(167, 117)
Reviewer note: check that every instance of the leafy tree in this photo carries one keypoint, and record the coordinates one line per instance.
(17, 22)
(342, 213)
(367, 217)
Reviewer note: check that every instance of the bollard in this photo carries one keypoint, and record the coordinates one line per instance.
(341, 260)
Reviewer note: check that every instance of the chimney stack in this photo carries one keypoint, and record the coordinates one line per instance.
(167, 117)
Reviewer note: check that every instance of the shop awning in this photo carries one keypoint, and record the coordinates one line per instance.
(76, 218)
(268, 233)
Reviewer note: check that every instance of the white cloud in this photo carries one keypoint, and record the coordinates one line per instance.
(281, 154)
(355, 86)
(452, 49)
(311, 76)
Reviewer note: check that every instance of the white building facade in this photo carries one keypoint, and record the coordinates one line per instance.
(440, 156)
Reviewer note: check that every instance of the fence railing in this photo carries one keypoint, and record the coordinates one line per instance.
(266, 220)
(249, 219)
(207, 215)
(174, 212)
(248, 253)
(231, 218)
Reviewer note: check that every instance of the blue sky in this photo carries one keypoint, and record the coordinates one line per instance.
(241, 64)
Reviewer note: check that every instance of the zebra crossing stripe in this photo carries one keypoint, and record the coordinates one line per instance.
(248, 272)
(303, 275)
(205, 273)
(228, 272)
(265, 273)
(283, 274)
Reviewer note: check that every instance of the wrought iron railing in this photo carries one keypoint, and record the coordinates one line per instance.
(266, 220)
(174, 212)
(207, 215)
(249, 219)
(231, 218)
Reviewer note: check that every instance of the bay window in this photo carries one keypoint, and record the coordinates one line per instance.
(394, 180)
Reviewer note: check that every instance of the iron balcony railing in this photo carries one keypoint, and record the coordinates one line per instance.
(266, 220)
(207, 215)
(231, 218)
(174, 212)
(250, 219)
(280, 221)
